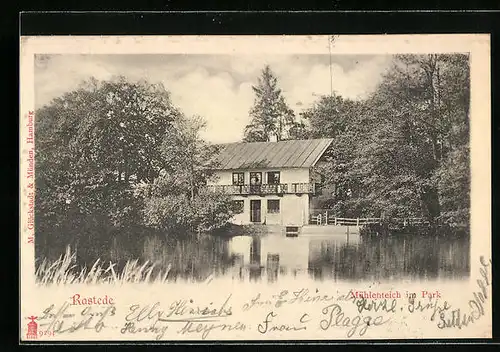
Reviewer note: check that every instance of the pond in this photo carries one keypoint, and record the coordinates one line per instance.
(334, 257)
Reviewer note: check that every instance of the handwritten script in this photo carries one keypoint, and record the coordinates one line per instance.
(459, 318)
(291, 313)
(60, 320)
(196, 319)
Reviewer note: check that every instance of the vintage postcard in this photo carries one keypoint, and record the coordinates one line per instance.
(199, 188)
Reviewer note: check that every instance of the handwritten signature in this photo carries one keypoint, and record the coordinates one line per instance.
(431, 304)
(179, 311)
(286, 297)
(335, 317)
(194, 317)
(205, 329)
(459, 319)
(60, 321)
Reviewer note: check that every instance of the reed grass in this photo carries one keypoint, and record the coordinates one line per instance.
(65, 271)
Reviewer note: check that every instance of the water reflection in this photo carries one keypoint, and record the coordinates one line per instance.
(338, 257)
(334, 257)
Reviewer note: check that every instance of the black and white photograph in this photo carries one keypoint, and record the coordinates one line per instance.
(279, 194)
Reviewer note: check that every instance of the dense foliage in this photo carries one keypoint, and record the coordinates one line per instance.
(403, 151)
(116, 157)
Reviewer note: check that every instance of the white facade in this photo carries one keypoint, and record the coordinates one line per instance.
(293, 207)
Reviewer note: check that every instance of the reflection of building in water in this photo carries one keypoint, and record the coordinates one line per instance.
(255, 269)
(284, 255)
(239, 249)
(336, 257)
(245, 253)
(293, 252)
(255, 250)
(271, 254)
(272, 266)
(277, 255)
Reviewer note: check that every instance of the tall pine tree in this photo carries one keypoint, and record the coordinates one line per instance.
(270, 114)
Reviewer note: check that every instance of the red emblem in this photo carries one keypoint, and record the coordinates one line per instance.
(32, 328)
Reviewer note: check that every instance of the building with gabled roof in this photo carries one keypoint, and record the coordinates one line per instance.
(270, 182)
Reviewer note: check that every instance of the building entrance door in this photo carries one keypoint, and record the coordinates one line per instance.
(255, 211)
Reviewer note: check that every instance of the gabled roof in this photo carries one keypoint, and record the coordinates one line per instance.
(259, 155)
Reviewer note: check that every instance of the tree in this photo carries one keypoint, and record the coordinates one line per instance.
(422, 112)
(270, 114)
(340, 119)
(418, 115)
(188, 156)
(175, 203)
(103, 152)
(453, 181)
(93, 145)
(403, 151)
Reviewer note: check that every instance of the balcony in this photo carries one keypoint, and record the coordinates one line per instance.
(266, 189)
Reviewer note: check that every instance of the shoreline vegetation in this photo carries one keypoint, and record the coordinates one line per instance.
(388, 229)
(117, 158)
(65, 270)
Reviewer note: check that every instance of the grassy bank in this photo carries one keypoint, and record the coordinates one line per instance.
(65, 270)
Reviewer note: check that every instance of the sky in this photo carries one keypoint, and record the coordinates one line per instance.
(217, 87)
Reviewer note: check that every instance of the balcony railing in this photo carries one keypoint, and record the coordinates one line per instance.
(282, 188)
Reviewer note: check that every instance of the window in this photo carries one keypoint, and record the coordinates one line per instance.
(238, 206)
(273, 206)
(238, 178)
(255, 178)
(273, 177)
